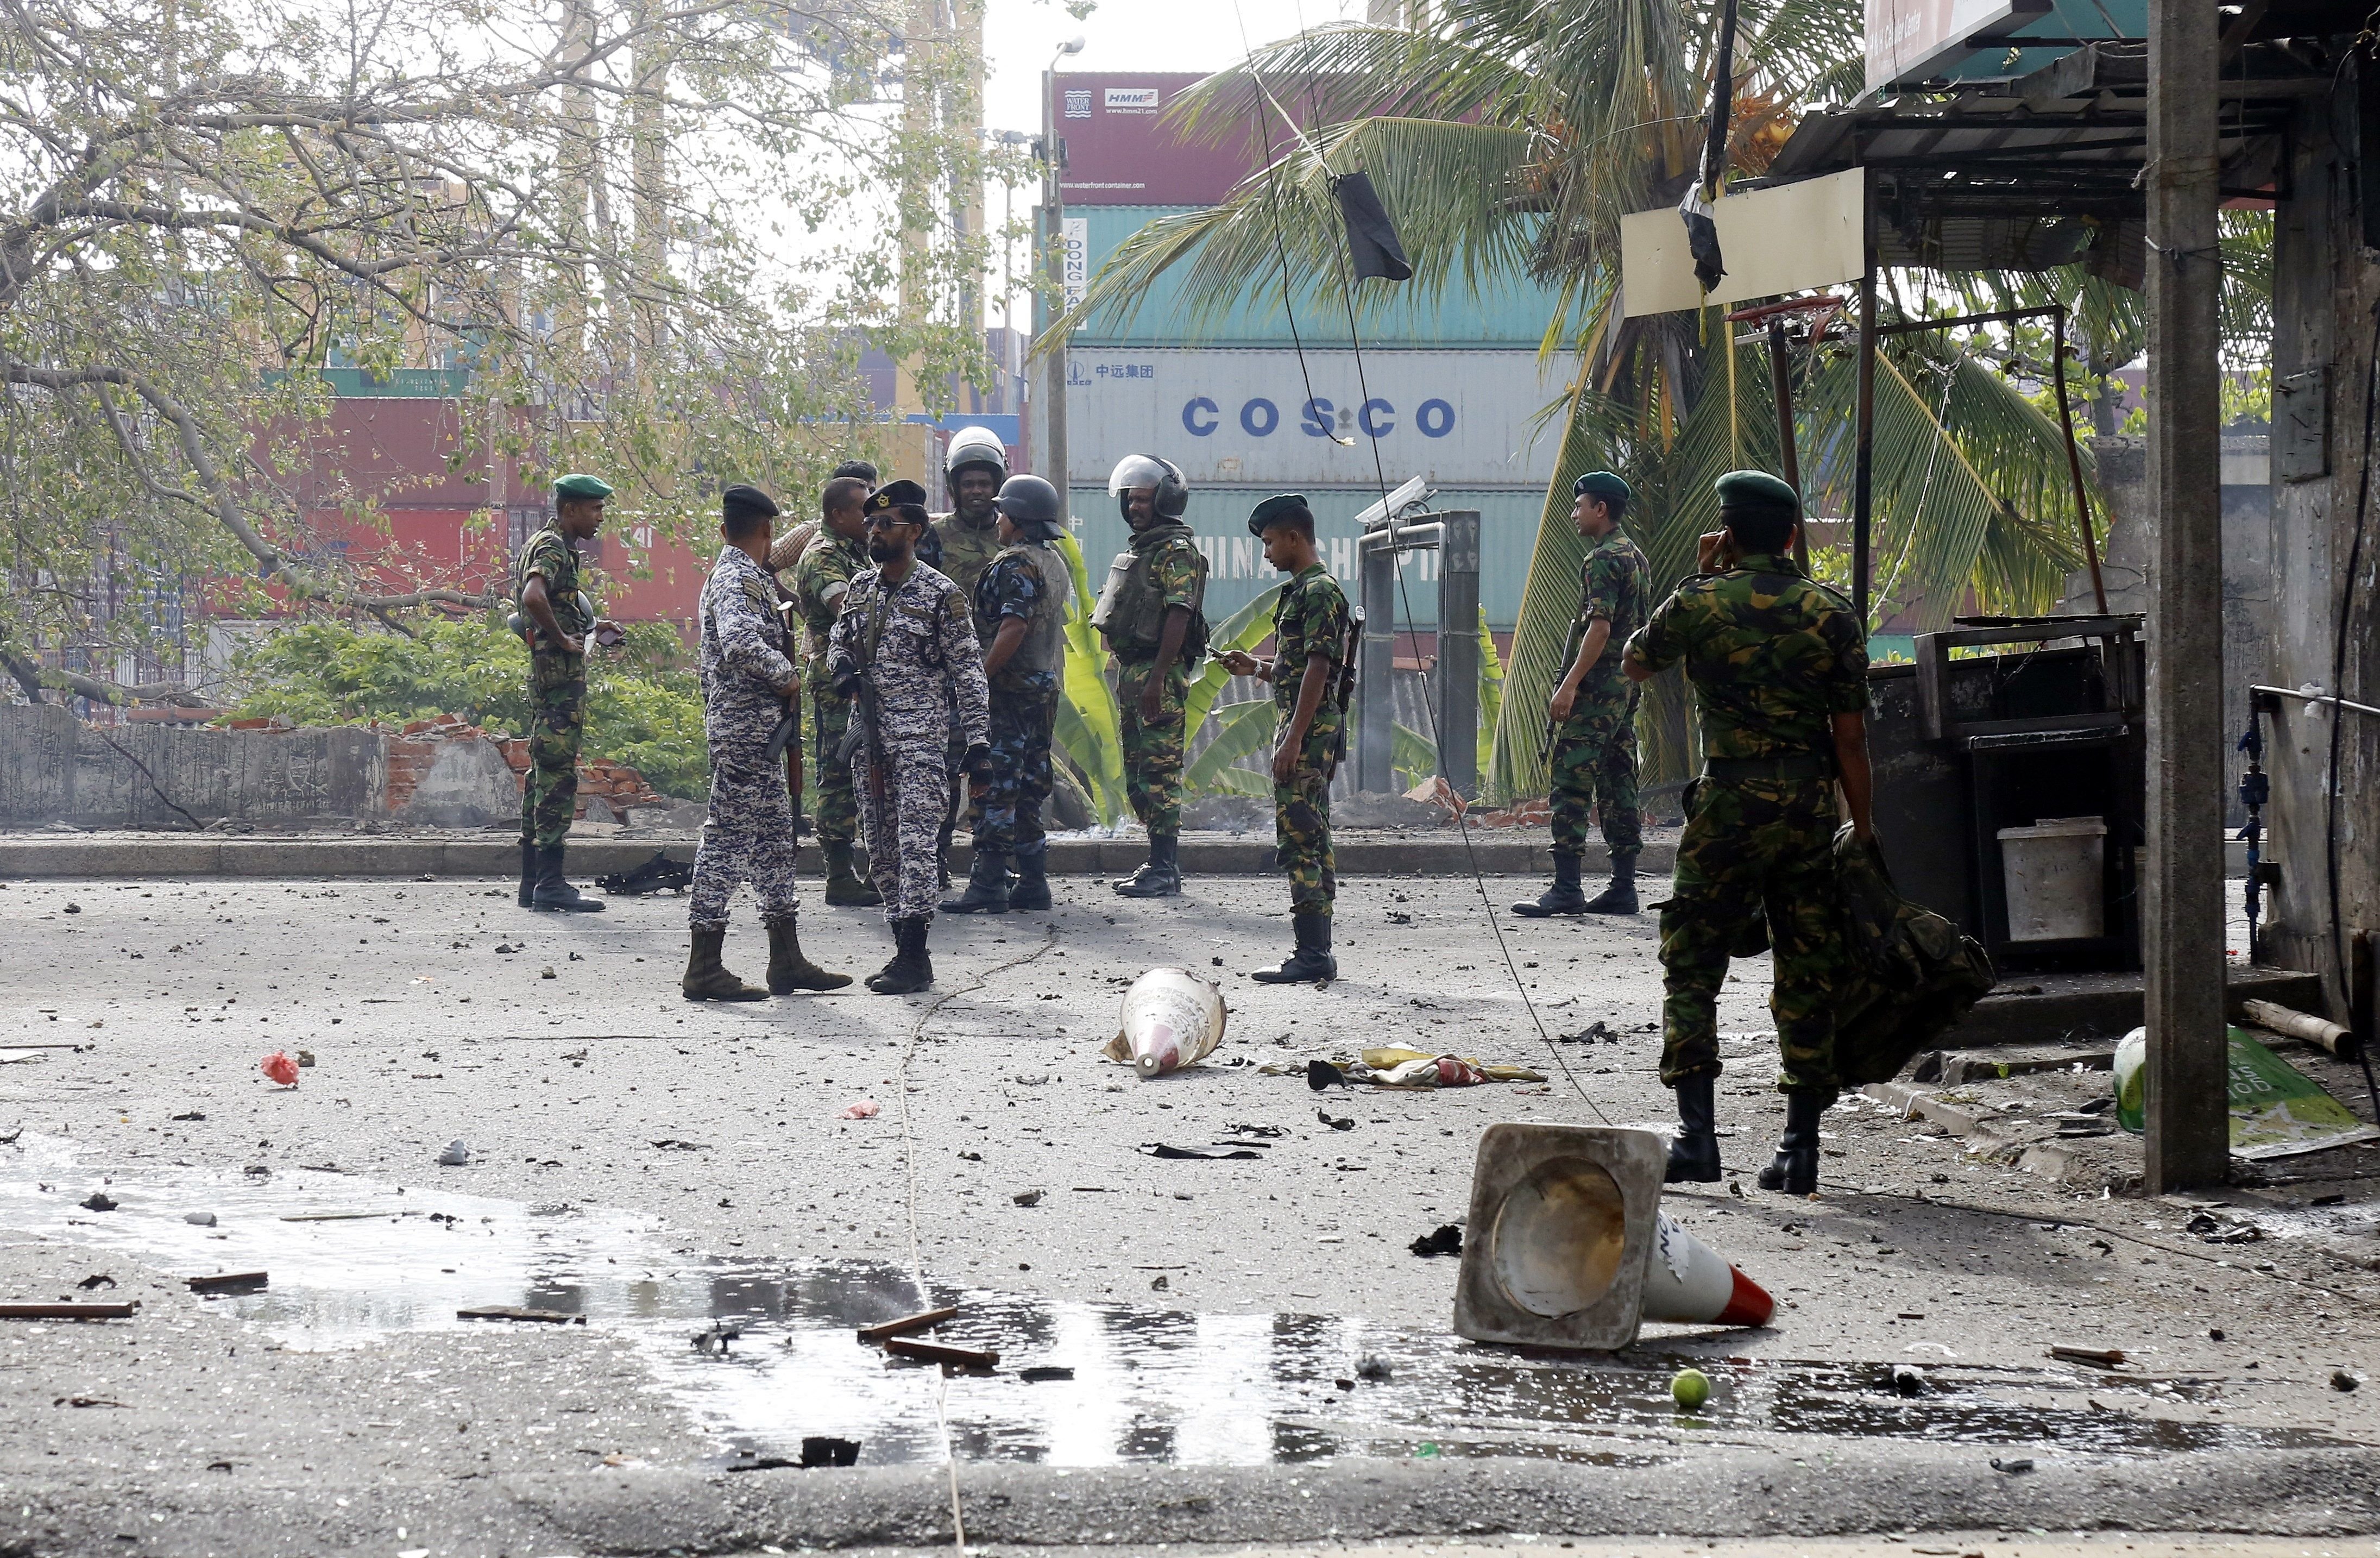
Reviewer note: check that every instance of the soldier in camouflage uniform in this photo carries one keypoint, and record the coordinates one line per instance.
(1593, 713)
(821, 576)
(905, 650)
(1311, 648)
(557, 620)
(750, 689)
(1020, 618)
(1778, 666)
(1150, 616)
(959, 545)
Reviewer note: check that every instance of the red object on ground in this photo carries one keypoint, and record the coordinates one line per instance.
(281, 1068)
(1750, 1304)
(864, 1110)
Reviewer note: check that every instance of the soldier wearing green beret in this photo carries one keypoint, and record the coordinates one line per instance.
(1592, 718)
(559, 621)
(1778, 667)
(1312, 629)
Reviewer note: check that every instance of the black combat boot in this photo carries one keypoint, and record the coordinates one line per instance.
(788, 969)
(1693, 1152)
(1159, 876)
(529, 873)
(1031, 888)
(1795, 1170)
(1312, 961)
(986, 888)
(1562, 897)
(911, 970)
(1621, 896)
(707, 978)
(846, 888)
(553, 892)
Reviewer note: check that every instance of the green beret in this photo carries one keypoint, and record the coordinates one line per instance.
(1601, 484)
(1276, 508)
(1757, 488)
(579, 485)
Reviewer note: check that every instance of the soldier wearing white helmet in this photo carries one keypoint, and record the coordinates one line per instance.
(964, 541)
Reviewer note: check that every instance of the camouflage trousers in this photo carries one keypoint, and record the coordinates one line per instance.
(748, 837)
(838, 813)
(1301, 812)
(1008, 815)
(899, 819)
(1595, 753)
(1753, 849)
(1152, 748)
(557, 724)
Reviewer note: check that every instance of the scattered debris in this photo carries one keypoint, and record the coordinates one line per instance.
(672, 1144)
(1321, 1074)
(715, 1339)
(2317, 1031)
(2108, 1358)
(2340, 1379)
(305, 1059)
(660, 874)
(1690, 1387)
(84, 1401)
(98, 1200)
(1160, 1150)
(95, 1280)
(940, 1352)
(1026, 1198)
(863, 1110)
(924, 1319)
(456, 1154)
(1160, 1285)
(825, 1450)
(1339, 1123)
(280, 1067)
(513, 1311)
(199, 1219)
(1171, 1019)
(229, 1282)
(1595, 1032)
(1372, 1366)
(2012, 1465)
(1041, 1372)
(1446, 1240)
(546, 972)
(1908, 1379)
(68, 1311)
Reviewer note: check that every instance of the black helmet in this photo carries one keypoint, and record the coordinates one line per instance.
(1032, 506)
(1172, 494)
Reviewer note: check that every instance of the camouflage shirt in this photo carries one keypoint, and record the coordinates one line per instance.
(1016, 585)
(1772, 657)
(967, 551)
(822, 574)
(549, 553)
(1614, 583)
(1310, 618)
(744, 665)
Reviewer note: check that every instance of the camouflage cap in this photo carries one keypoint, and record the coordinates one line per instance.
(1602, 485)
(1279, 508)
(1757, 488)
(578, 484)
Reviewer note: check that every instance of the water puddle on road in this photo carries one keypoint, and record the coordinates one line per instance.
(351, 1259)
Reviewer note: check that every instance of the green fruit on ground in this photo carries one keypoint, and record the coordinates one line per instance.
(1690, 1389)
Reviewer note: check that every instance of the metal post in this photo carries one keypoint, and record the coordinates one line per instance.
(1376, 676)
(1780, 377)
(1051, 390)
(1863, 457)
(1457, 684)
(2183, 888)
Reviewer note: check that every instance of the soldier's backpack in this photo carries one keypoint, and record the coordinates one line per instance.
(1909, 974)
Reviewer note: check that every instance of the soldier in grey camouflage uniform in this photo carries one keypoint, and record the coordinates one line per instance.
(750, 689)
(905, 650)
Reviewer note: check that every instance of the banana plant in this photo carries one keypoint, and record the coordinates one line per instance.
(1088, 729)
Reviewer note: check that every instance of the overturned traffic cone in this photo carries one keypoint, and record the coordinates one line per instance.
(1687, 1283)
(1171, 1019)
(1566, 1245)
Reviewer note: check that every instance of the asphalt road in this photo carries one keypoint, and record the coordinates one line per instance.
(646, 1164)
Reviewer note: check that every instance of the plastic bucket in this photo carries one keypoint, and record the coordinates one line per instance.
(2054, 873)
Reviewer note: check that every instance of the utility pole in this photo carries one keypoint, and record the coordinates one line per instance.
(920, 71)
(1049, 299)
(2181, 892)
(963, 121)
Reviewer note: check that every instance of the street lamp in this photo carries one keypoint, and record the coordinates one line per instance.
(1049, 302)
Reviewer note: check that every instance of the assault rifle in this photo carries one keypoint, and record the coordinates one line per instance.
(1344, 688)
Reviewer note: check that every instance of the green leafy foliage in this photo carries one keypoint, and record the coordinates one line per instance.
(644, 704)
(1089, 730)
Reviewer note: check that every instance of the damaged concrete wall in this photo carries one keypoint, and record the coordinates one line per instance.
(2326, 286)
(55, 769)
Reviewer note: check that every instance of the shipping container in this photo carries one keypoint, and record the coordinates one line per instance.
(1499, 309)
(1117, 153)
(1475, 419)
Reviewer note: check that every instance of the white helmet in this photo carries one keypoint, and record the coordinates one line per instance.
(975, 446)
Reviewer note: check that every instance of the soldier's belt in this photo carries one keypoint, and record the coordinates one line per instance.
(1777, 769)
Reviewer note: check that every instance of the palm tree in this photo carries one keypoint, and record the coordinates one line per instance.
(1512, 135)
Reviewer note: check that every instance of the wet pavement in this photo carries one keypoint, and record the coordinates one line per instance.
(656, 1168)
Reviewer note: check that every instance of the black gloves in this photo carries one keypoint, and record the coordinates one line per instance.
(977, 764)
